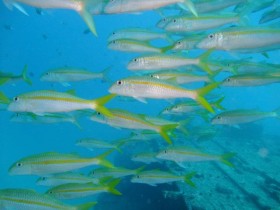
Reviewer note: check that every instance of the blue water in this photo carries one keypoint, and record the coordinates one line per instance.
(55, 39)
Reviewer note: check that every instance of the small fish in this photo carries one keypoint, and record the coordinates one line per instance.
(250, 80)
(130, 6)
(146, 87)
(190, 106)
(7, 77)
(93, 143)
(203, 6)
(236, 117)
(115, 172)
(253, 6)
(270, 15)
(124, 119)
(77, 190)
(64, 75)
(178, 77)
(65, 178)
(184, 24)
(52, 163)
(156, 177)
(187, 43)
(181, 154)
(243, 40)
(245, 66)
(31, 200)
(146, 158)
(165, 62)
(138, 34)
(129, 45)
(78, 6)
(45, 101)
(26, 117)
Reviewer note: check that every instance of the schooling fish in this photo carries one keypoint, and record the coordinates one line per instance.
(243, 39)
(270, 15)
(46, 101)
(130, 6)
(139, 34)
(64, 178)
(155, 177)
(245, 66)
(179, 77)
(187, 43)
(205, 6)
(26, 117)
(124, 119)
(165, 62)
(7, 77)
(181, 154)
(52, 163)
(129, 45)
(78, 6)
(251, 80)
(78, 190)
(146, 158)
(64, 75)
(146, 87)
(115, 172)
(93, 143)
(31, 200)
(184, 24)
(236, 117)
(190, 106)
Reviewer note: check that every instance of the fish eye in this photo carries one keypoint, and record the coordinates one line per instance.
(114, 42)
(16, 98)
(211, 36)
(92, 173)
(98, 113)
(47, 73)
(114, 33)
(50, 192)
(165, 151)
(218, 117)
(174, 21)
(19, 164)
(135, 60)
(138, 176)
(228, 79)
(119, 82)
(178, 42)
(43, 178)
(152, 75)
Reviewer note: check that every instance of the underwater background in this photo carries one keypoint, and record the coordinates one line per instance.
(49, 39)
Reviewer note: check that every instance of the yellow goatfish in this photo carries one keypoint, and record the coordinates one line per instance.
(147, 87)
(53, 162)
(45, 101)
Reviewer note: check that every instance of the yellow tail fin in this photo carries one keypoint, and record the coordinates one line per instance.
(165, 130)
(203, 91)
(98, 104)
